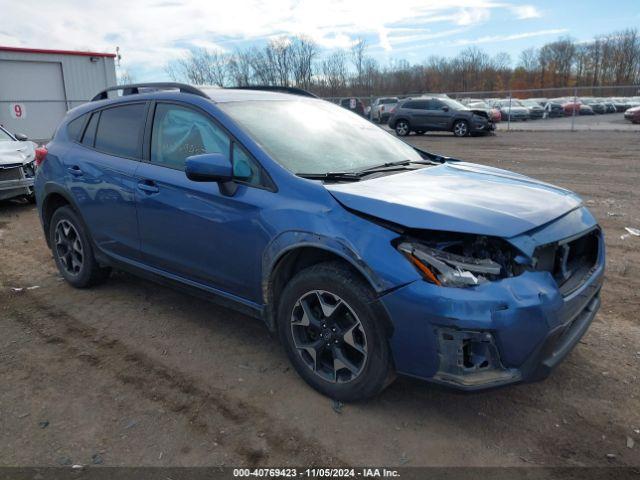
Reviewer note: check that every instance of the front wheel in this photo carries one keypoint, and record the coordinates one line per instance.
(332, 329)
(402, 128)
(461, 128)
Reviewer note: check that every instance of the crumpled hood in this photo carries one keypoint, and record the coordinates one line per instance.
(459, 197)
(16, 152)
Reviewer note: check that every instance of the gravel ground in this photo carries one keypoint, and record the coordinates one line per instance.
(131, 373)
(612, 121)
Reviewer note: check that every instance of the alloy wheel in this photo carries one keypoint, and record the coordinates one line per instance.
(402, 128)
(329, 336)
(69, 247)
(460, 129)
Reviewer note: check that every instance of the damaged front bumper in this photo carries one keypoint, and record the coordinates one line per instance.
(507, 331)
(16, 180)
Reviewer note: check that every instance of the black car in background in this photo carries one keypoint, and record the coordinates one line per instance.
(553, 109)
(441, 114)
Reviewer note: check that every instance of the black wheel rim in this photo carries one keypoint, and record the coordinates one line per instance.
(69, 248)
(328, 336)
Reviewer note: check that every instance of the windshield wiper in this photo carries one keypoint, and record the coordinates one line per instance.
(348, 176)
(391, 166)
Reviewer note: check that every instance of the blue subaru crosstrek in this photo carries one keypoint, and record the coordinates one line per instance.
(368, 257)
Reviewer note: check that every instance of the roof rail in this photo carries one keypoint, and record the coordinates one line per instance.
(272, 88)
(134, 88)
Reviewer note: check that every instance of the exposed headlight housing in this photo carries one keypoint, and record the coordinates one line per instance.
(466, 261)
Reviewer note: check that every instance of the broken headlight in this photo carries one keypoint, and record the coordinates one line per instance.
(463, 262)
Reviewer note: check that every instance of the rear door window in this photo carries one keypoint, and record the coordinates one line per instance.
(120, 130)
(416, 104)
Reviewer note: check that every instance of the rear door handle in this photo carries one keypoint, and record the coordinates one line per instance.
(148, 186)
(75, 170)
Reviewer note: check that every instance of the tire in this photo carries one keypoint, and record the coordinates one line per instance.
(72, 250)
(353, 331)
(402, 128)
(460, 128)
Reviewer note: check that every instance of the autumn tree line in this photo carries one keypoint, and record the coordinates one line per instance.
(607, 60)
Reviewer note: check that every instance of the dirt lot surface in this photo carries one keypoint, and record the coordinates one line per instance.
(609, 121)
(131, 373)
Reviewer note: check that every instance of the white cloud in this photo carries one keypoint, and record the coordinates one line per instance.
(151, 32)
(506, 38)
(523, 12)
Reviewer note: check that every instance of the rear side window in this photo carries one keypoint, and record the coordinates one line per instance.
(74, 127)
(418, 104)
(90, 133)
(120, 130)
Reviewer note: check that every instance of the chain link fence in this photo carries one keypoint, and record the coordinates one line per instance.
(571, 108)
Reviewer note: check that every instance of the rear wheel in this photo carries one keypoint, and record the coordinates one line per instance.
(461, 128)
(331, 326)
(402, 128)
(72, 250)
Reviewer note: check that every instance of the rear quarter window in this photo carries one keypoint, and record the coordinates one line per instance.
(74, 127)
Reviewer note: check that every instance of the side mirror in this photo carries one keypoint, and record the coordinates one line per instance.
(445, 109)
(21, 137)
(209, 167)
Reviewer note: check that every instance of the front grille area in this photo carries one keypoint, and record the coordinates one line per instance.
(8, 173)
(571, 262)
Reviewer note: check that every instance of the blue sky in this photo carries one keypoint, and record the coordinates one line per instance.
(152, 32)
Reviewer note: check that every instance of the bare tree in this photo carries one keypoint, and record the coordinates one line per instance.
(358, 58)
(334, 71)
(201, 67)
(303, 55)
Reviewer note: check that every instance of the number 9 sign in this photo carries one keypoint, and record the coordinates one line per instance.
(17, 111)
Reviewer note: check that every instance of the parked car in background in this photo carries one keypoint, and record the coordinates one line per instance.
(382, 107)
(621, 104)
(633, 114)
(553, 109)
(569, 106)
(596, 105)
(512, 110)
(17, 169)
(353, 104)
(366, 256)
(475, 104)
(536, 111)
(423, 114)
(609, 106)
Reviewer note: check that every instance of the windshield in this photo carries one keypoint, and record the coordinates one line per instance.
(4, 136)
(315, 136)
(388, 100)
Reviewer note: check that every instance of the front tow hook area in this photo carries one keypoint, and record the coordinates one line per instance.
(470, 360)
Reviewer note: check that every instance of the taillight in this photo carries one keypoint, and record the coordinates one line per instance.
(41, 154)
(382, 108)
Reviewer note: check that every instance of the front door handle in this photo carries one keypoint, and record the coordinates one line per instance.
(148, 186)
(75, 171)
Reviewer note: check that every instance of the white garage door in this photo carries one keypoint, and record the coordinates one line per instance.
(32, 97)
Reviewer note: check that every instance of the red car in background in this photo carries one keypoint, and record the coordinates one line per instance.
(633, 114)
